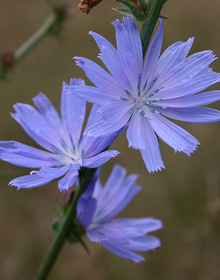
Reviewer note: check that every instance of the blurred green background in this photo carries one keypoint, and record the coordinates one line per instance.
(185, 196)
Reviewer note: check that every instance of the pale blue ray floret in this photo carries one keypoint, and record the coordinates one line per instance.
(99, 205)
(140, 93)
(68, 149)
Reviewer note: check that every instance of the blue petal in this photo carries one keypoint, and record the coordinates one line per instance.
(135, 135)
(38, 178)
(192, 86)
(188, 69)
(97, 189)
(101, 128)
(68, 180)
(99, 77)
(73, 111)
(113, 124)
(89, 192)
(14, 147)
(110, 58)
(48, 172)
(116, 195)
(143, 243)
(48, 112)
(93, 115)
(30, 181)
(95, 236)
(99, 159)
(117, 199)
(141, 136)
(192, 100)
(129, 51)
(193, 115)
(151, 155)
(85, 210)
(122, 228)
(152, 55)
(172, 56)
(87, 204)
(90, 94)
(24, 161)
(107, 230)
(115, 180)
(135, 41)
(36, 127)
(95, 145)
(145, 225)
(114, 111)
(121, 252)
(176, 137)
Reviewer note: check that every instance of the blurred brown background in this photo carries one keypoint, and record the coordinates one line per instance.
(185, 196)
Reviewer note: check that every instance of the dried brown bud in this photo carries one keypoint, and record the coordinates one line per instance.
(86, 5)
(7, 58)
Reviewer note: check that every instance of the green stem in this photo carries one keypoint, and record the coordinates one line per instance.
(35, 38)
(85, 179)
(53, 25)
(149, 23)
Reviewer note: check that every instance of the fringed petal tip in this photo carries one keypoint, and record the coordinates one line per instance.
(188, 150)
(11, 184)
(116, 22)
(78, 60)
(64, 85)
(156, 169)
(14, 184)
(39, 95)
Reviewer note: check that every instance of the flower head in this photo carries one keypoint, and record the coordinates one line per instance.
(141, 92)
(98, 205)
(67, 148)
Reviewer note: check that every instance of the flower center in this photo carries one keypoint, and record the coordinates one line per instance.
(72, 154)
(139, 102)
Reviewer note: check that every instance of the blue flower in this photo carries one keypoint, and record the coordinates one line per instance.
(68, 150)
(142, 93)
(98, 205)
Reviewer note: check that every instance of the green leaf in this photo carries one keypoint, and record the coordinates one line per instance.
(56, 225)
(64, 209)
(73, 239)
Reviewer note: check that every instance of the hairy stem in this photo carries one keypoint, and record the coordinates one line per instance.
(85, 178)
(149, 23)
(35, 39)
(53, 25)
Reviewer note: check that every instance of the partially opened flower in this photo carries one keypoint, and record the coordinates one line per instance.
(67, 148)
(142, 93)
(121, 236)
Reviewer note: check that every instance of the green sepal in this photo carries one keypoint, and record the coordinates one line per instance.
(163, 17)
(135, 12)
(73, 239)
(138, 12)
(124, 11)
